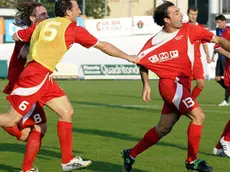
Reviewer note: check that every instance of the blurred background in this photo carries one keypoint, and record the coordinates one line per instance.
(125, 23)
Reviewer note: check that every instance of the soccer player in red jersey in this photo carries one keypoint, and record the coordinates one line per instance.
(33, 124)
(224, 142)
(49, 42)
(170, 54)
(198, 70)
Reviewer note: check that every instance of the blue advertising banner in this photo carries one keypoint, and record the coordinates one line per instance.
(10, 29)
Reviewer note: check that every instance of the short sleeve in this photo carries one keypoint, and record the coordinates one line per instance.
(84, 38)
(226, 35)
(199, 33)
(25, 34)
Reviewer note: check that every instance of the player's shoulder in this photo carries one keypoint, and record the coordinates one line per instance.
(188, 25)
(228, 29)
(201, 25)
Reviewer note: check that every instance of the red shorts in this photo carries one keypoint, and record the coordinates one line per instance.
(34, 85)
(8, 88)
(35, 116)
(198, 70)
(177, 96)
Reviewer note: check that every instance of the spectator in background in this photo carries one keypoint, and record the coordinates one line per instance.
(221, 61)
(198, 70)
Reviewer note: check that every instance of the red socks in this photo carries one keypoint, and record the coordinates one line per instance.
(194, 134)
(226, 134)
(13, 131)
(196, 92)
(150, 138)
(32, 148)
(64, 130)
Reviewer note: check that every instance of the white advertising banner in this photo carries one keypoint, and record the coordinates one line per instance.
(145, 25)
(109, 27)
(110, 71)
(66, 71)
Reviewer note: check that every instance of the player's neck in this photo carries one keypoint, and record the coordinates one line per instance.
(193, 22)
(67, 17)
(169, 29)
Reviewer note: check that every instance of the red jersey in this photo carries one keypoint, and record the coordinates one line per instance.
(226, 35)
(50, 41)
(198, 43)
(171, 55)
(73, 34)
(17, 63)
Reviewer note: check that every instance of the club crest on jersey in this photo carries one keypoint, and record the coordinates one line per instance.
(178, 37)
(164, 56)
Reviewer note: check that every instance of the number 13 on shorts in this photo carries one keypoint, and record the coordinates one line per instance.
(188, 102)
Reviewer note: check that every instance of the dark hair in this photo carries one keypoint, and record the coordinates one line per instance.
(220, 17)
(61, 6)
(24, 11)
(161, 12)
(192, 9)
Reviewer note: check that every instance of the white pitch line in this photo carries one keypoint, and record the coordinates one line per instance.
(100, 105)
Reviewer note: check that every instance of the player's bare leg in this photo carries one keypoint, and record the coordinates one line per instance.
(200, 84)
(194, 134)
(64, 110)
(10, 119)
(165, 125)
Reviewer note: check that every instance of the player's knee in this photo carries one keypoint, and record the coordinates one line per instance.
(163, 130)
(201, 84)
(67, 114)
(42, 128)
(198, 116)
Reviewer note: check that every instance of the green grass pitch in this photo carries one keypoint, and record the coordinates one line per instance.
(110, 116)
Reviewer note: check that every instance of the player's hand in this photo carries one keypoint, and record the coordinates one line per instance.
(146, 92)
(213, 58)
(25, 134)
(133, 59)
(208, 60)
(25, 51)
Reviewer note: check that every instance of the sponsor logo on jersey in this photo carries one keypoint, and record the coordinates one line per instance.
(164, 56)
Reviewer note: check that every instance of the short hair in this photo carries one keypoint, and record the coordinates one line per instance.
(161, 12)
(220, 17)
(61, 6)
(24, 11)
(192, 9)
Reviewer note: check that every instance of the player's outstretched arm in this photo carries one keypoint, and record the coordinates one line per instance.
(111, 50)
(222, 42)
(146, 91)
(223, 52)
